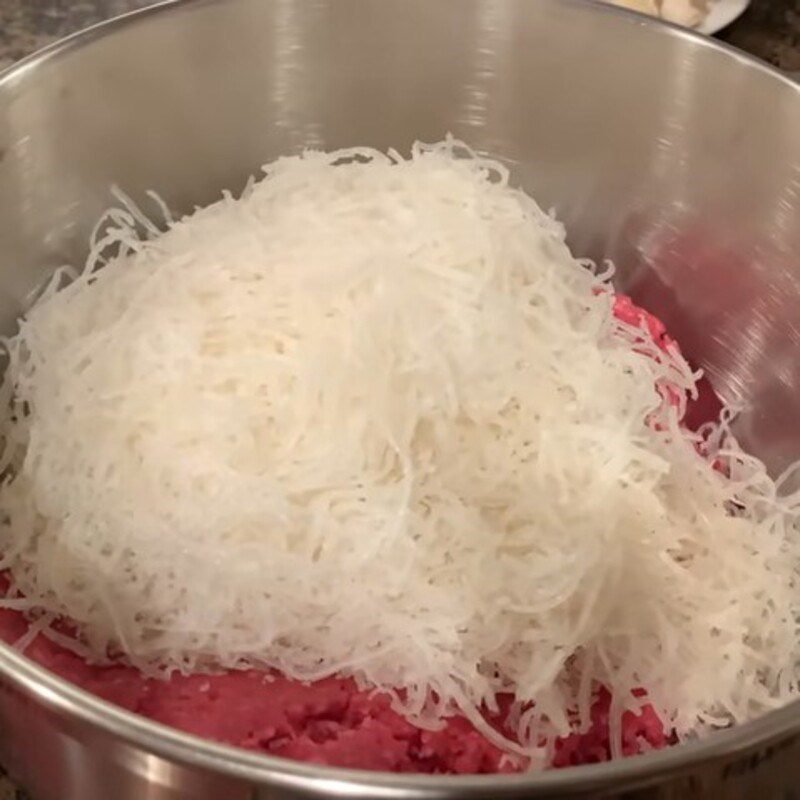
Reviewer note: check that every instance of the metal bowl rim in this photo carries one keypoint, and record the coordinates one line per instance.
(61, 696)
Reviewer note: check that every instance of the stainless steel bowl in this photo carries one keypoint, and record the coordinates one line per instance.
(673, 155)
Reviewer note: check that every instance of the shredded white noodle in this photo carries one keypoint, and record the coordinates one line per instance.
(373, 418)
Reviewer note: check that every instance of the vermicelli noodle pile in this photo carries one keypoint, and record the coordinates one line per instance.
(372, 419)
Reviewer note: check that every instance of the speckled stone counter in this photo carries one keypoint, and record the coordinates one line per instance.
(27, 25)
(770, 29)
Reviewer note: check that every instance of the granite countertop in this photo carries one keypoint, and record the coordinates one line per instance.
(770, 29)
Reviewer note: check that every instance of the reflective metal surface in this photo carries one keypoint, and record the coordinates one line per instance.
(677, 158)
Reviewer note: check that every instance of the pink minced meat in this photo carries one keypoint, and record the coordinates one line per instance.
(326, 722)
(331, 721)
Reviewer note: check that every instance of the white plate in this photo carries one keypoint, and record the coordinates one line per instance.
(722, 13)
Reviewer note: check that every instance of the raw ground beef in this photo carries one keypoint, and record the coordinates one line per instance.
(326, 722)
(330, 721)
